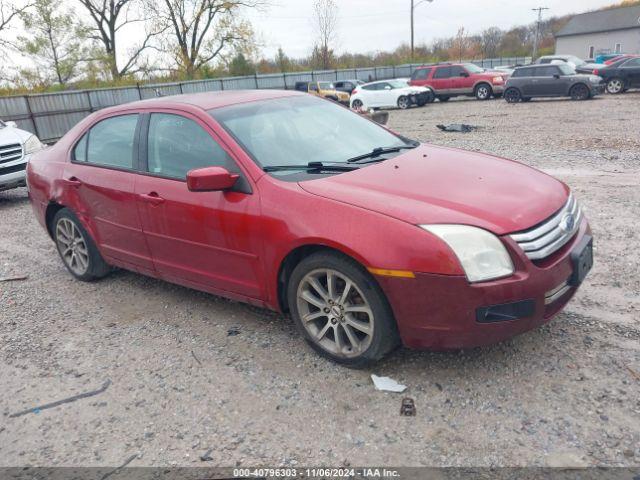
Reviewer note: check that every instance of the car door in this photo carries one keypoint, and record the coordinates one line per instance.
(552, 82)
(368, 93)
(207, 240)
(101, 177)
(461, 81)
(385, 96)
(441, 81)
(631, 72)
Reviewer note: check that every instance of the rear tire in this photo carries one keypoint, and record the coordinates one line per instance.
(403, 102)
(346, 319)
(483, 91)
(357, 104)
(615, 86)
(77, 249)
(430, 97)
(580, 92)
(444, 99)
(512, 95)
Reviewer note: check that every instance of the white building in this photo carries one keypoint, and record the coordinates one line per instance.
(606, 31)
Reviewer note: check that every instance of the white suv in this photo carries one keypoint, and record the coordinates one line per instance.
(16, 146)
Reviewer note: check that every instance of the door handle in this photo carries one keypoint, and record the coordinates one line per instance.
(71, 182)
(153, 198)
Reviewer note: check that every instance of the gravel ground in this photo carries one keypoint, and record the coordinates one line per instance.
(566, 394)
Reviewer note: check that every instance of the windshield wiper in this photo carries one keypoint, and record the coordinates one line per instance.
(376, 152)
(311, 166)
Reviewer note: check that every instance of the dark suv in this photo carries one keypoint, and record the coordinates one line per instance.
(451, 80)
(551, 81)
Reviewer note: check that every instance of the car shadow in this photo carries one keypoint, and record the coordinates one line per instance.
(14, 197)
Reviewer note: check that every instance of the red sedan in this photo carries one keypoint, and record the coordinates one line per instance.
(294, 203)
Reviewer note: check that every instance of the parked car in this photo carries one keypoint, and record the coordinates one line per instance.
(608, 57)
(554, 80)
(348, 86)
(390, 94)
(451, 80)
(621, 76)
(572, 60)
(16, 147)
(368, 243)
(323, 89)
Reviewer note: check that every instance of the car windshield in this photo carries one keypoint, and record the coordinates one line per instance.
(326, 85)
(471, 68)
(576, 61)
(298, 130)
(566, 69)
(398, 83)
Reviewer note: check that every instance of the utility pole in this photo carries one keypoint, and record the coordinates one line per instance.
(414, 5)
(538, 24)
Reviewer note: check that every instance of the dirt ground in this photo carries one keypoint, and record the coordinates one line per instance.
(566, 394)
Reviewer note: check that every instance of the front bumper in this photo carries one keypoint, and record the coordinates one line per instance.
(500, 88)
(442, 312)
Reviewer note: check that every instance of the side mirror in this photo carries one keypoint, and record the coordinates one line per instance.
(464, 74)
(11, 124)
(556, 76)
(387, 87)
(210, 179)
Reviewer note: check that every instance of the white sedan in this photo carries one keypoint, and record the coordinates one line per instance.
(390, 93)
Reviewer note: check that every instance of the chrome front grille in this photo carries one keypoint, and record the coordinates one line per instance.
(550, 236)
(10, 153)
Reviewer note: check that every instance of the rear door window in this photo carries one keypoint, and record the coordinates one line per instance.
(111, 141)
(442, 72)
(421, 74)
(457, 71)
(178, 144)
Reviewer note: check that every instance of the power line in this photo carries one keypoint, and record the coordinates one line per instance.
(538, 24)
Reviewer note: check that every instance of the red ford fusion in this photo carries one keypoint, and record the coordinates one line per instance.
(294, 203)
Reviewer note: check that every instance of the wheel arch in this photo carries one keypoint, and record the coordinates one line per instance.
(52, 209)
(296, 255)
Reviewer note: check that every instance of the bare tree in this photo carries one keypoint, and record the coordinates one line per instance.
(461, 44)
(9, 14)
(490, 40)
(326, 24)
(200, 31)
(109, 17)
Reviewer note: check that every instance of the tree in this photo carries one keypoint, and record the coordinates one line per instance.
(9, 15)
(200, 31)
(57, 45)
(109, 17)
(240, 66)
(461, 45)
(490, 42)
(326, 23)
(282, 61)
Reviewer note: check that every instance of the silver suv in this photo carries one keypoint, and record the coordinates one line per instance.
(16, 146)
(556, 80)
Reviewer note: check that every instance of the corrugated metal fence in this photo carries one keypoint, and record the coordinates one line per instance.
(51, 115)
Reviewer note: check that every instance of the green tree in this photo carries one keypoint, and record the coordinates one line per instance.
(240, 66)
(57, 44)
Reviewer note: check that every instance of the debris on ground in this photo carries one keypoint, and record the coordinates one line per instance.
(387, 384)
(635, 374)
(14, 279)
(57, 403)
(117, 470)
(458, 128)
(206, 457)
(232, 332)
(408, 407)
(196, 358)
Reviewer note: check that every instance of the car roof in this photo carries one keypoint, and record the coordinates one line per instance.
(211, 100)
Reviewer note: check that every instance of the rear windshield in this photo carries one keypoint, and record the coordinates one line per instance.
(326, 85)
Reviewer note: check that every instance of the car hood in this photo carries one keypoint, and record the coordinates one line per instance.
(9, 135)
(430, 185)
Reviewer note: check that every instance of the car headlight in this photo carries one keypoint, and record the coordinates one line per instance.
(481, 254)
(497, 80)
(32, 145)
(595, 79)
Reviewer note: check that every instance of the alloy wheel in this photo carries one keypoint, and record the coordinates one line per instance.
(72, 246)
(483, 92)
(512, 95)
(335, 313)
(403, 103)
(357, 104)
(615, 86)
(580, 92)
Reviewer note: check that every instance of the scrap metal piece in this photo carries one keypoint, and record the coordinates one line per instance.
(408, 407)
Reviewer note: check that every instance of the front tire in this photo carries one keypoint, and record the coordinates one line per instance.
(403, 102)
(76, 248)
(615, 86)
(430, 97)
(512, 95)
(580, 92)
(340, 310)
(483, 91)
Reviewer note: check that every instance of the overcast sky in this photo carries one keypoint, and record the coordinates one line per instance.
(372, 25)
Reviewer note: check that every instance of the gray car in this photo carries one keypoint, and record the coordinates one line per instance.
(559, 80)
